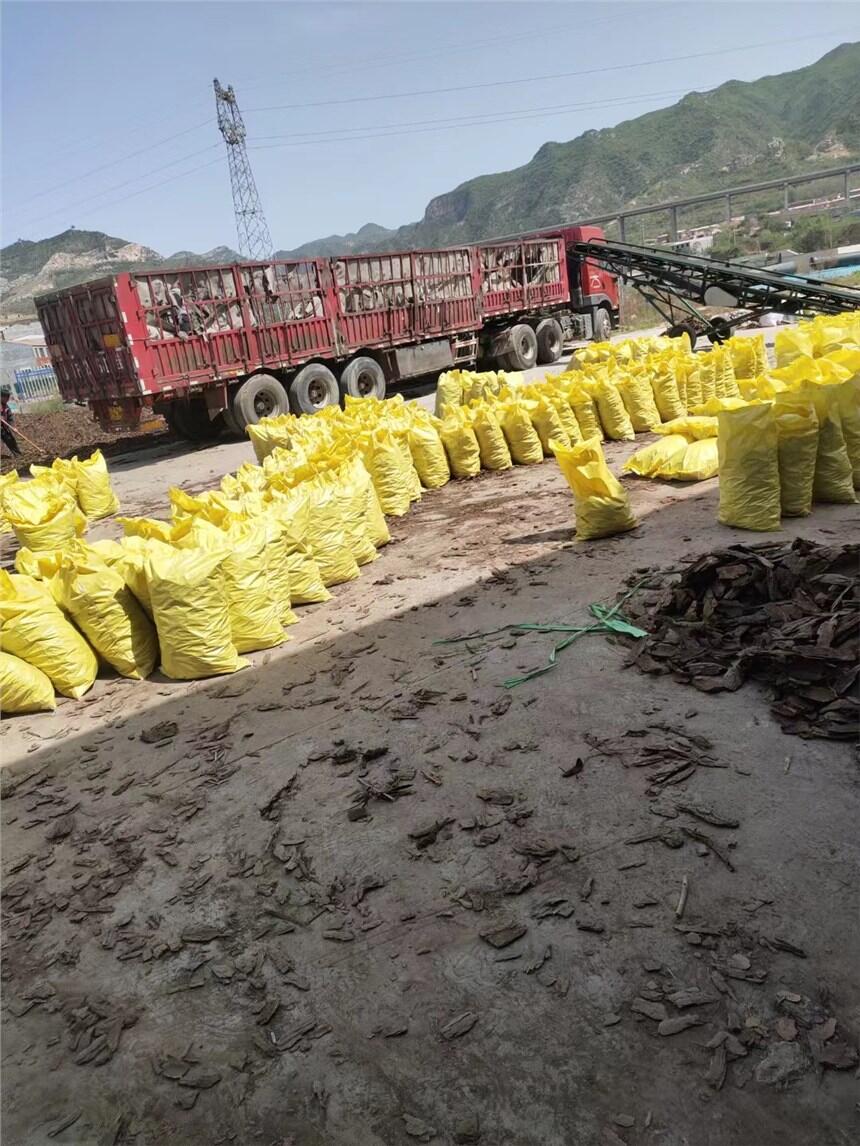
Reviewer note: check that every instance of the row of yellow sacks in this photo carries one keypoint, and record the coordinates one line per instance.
(56, 504)
(217, 581)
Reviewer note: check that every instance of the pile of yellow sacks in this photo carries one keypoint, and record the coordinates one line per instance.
(57, 503)
(222, 575)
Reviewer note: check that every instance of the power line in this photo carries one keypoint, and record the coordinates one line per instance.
(534, 79)
(475, 119)
(121, 159)
(115, 187)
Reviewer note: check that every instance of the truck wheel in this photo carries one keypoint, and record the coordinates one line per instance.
(683, 328)
(522, 348)
(550, 341)
(190, 420)
(363, 378)
(721, 329)
(313, 388)
(261, 396)
(602, 325)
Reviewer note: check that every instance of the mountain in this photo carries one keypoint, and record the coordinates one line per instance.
(32, 268)
(738, 133)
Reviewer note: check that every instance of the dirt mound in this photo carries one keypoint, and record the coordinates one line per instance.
(71, 430)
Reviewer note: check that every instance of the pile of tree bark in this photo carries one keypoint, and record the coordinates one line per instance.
(784, 614)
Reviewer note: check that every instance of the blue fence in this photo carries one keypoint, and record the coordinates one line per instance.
(36, 383)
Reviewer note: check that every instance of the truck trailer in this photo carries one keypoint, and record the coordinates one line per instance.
(228, 345)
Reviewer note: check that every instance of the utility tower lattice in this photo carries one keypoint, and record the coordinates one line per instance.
(253, 231)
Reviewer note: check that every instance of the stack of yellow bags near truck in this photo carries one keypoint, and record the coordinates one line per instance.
(221, 576)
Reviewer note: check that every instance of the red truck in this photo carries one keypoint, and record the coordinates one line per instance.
(231, 344)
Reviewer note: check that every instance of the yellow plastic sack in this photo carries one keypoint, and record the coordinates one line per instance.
(567, 417)
(848, 401)
(327, 534)
(291, 509)
(651, 460)
(707, 379)
(374, 519)
(384, 463)
(428, 454)
(585, 411)
(520, 434)
(749, 468)
(638, 399)
(277, 567)
(189, 605)
(666, 394)
(493, 448)
(601, 504)
(797, 448)
(33, 628)
(6, 480)
(791, 342)
(23, 688)
(131, 566)
(749, 355)
(254, 611)
(148, 527)
(698, 462)
(713, 406)
(42, 514)
(353, 504)
(413, 481)
(547, 422)
(461, 445)
(449, 393)
(613, 416)
(269, 433)
(95, 494)
(108, 614)
(834, 475)
(694, 387)
(691, 426)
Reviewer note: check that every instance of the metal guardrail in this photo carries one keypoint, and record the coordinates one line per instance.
(36, 383)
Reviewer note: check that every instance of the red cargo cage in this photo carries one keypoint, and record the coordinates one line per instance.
(523, 275)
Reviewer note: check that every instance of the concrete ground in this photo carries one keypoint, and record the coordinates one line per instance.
(203, 944)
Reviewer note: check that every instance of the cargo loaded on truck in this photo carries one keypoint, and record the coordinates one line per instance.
(229, 345)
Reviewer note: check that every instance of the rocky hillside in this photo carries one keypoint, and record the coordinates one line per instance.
(32, 268)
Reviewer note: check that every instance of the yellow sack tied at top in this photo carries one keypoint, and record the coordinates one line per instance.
(749, 468)
(269, 433)
(651, 461)
(23, 687)
(94, 491)
(384, 463)
(797, 450)
(400, 432)
(148, 527)
(834, 474)
(585, 412)
(792, 342)
(638, 399)
(428, 454)
(749, 356)
(33, 628)
(520, 434)
(492, 446)
(713, 406)
(666, 394)
(42, 513)
(328, 532)
(546, 421)
(376, 528)
(601, 504)
(461, 445)
(691, 426)
(707, 379)
(108, 614)
(254, 611)
(613, 416)
(449, 393)
(277, 567)
(693, 384)
(291, 509)
(189, 605)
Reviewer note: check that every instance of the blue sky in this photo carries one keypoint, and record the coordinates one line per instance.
(102, 101)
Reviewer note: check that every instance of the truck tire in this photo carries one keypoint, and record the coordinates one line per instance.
(602, 325)
(522, 348)
(313, 388)
(550, 341)
(721, 329)
(363, 378)
(683, 328)
(260, 396)
(190, 420)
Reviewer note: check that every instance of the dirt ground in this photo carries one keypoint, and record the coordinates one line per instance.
(203, 944)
